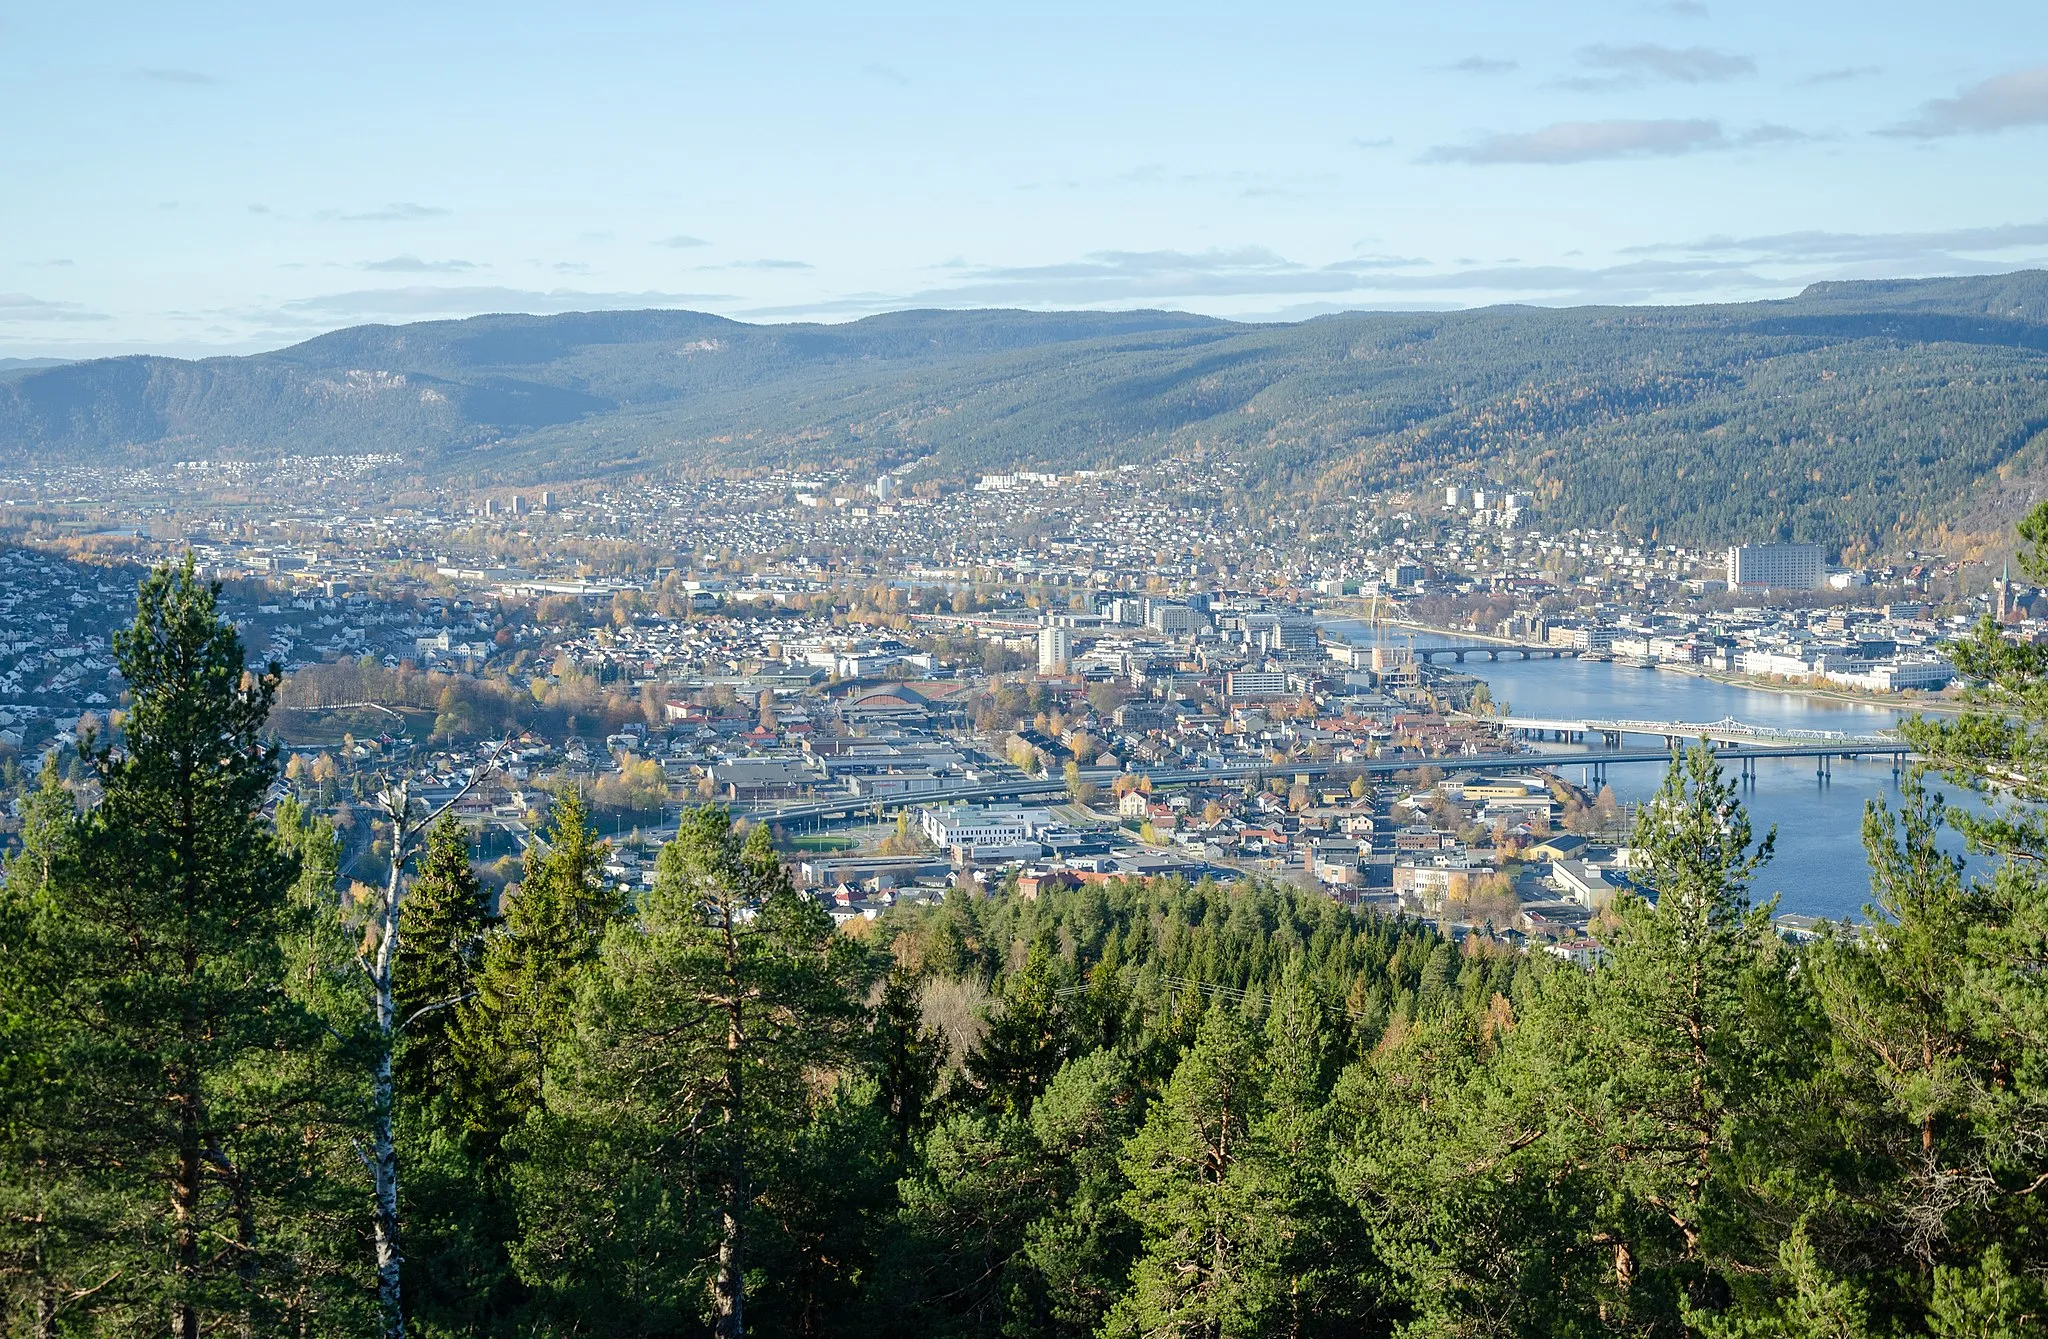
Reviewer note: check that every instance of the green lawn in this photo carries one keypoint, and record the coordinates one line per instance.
(819, 841)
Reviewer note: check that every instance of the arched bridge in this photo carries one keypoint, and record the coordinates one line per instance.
(1492, 651)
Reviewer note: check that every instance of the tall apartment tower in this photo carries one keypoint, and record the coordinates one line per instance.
(1776, 567)
(1055, 649)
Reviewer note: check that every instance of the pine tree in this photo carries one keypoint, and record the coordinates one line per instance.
(980, 1182)
(1897, 997)
(1482, 1224)
(1659, 1058)
(1987, 1299)
(1193, 1278)
(1817, 1305)
(695, 1043)
(1982, 1093)
(175, 918)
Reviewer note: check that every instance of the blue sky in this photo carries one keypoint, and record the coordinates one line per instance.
(198, 178)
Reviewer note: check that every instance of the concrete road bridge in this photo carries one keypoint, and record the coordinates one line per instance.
(1492, 651)
(1727, 730)
(1596, 762)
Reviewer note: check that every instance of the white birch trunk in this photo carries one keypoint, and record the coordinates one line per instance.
(384, 1147)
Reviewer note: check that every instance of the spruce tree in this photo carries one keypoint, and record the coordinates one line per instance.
(1309, 1268)
(529, 973)
(317, 1241)
(441, 929)
(57, 1220)
(1027, 1040)
(1079, 1247)
(906, 1058)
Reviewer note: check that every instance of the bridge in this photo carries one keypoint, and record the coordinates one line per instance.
(1492, 651)
(1597, 761)
(1727, 730)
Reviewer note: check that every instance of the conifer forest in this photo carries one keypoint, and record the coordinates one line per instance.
(243, 1093)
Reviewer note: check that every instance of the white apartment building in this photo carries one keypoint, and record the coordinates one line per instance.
(1776, 567)
(1055, 649)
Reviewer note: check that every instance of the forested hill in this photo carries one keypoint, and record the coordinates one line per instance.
(1848, 414)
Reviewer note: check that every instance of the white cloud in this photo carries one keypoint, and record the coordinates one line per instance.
(434, 300)
(1682, 65)
(1483, 65)
(2000, 103)
(400, 211)
(22, 307)
(1841, 74)
(1224, 278)
(414, 265)
(1905, 252)
(1586, 141)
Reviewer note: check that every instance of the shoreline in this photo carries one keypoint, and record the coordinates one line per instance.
(1839, 697)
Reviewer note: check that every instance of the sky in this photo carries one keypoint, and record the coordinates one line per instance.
(199, 178)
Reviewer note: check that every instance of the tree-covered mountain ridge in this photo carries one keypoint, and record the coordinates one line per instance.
(1855, 414)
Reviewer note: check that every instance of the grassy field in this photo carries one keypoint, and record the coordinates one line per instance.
(819, 841)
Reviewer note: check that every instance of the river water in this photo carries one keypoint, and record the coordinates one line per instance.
(1819, 868)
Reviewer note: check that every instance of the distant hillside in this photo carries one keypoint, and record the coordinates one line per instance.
(1848, 414)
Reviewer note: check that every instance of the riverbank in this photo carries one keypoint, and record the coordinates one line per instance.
(1895, 701)
(1811, 692)
(1818, 811)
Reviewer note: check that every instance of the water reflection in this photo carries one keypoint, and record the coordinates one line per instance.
(1819, 869)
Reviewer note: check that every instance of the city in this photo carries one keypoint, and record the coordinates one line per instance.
(824, 653)
(675, 671)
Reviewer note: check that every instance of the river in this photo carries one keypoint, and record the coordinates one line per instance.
(1819, 868)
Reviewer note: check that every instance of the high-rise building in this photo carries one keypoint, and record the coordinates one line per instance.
(1776, 567)
(1055, 649)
